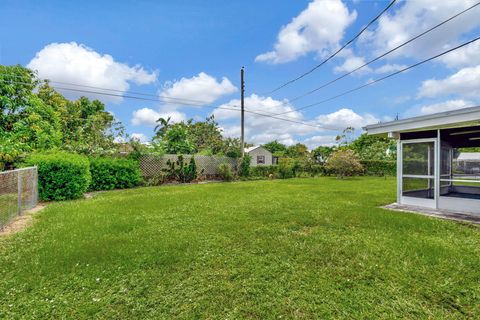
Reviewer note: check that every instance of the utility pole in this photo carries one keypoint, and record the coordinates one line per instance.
(242, 104)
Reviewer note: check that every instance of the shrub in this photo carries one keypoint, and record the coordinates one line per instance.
(113, 173)
(225, 172)
(379, 167)
(344, 163)
(244, 170)
(263, 171)
(180, 171)
(287, 168)
(61, 175)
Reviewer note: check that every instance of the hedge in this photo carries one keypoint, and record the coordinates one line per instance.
(380, 167)
(113, 173)
(61, 175)
(263, 171)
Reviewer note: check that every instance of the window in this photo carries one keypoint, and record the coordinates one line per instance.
(260, 159)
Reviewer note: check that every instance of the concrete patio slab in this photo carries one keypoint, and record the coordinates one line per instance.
(442, 214)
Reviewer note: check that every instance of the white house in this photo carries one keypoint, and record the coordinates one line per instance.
(260, 156)
(427, 157)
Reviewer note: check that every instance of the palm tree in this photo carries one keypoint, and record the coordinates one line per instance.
(162, 127)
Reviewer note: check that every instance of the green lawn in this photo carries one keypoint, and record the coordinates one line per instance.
(299, 248)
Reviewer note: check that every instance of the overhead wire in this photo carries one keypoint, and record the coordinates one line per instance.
(335, 53)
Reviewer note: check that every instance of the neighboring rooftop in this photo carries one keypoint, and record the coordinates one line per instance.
(448, 119)
(469, 156)
(247, 150)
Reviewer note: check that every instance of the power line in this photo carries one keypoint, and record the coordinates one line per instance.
(371, 61)
(187, 104)
(385, 77)
(114, 90)
(335, 53)
(384, 54)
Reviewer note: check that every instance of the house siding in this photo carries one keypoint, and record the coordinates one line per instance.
(260, 151)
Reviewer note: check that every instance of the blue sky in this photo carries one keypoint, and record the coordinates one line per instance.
(194, 50)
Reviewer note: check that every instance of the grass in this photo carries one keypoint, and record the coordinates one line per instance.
(299, 248)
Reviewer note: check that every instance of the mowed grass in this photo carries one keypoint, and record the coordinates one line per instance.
(300, 248)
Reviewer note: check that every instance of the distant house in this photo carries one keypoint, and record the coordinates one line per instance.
(469, 162)
(260, 156)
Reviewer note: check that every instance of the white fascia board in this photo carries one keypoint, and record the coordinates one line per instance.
(467, 117)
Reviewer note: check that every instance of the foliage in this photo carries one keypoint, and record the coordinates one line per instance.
(380, 167)
(264, 171)
(179, 170)
(225, 172)
(34, 117)
(175, 140)
(321, 153)
(244, 170)
(113, 173)
(298, 150)
(275, 147)
(370, 147)
(61, 175)
(346, 137)
(85, 124)
(287, 168)
(195, 137)
(344, 163)
(232, 147)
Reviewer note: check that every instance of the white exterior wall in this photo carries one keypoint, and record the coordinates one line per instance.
(260, 151)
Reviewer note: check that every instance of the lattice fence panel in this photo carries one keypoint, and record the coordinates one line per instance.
(153, 165)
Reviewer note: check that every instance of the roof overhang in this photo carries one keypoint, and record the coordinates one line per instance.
(465, 117)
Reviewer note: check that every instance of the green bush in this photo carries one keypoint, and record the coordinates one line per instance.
(263, 171)
(225, 172)
(245, 166)
(113, 173)
(180, 171)
(287, 168)
(61, 175)
(379, 167)
(344, 163)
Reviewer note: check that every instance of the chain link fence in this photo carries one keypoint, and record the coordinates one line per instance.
(207, 165)
(18, 192)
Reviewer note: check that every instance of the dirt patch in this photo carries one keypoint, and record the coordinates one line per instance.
(21, 222)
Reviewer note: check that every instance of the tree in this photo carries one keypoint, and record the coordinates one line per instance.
(162, 127)
(275, 147)
(344, 162)
(346, 137)
(298, 150)
(175, 140)
(205, 135)
(374, 148)
(321, 153)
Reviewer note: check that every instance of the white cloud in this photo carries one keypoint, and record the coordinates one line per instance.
(413, 17)
(79, 64)
(203, 89)
(389, 68)
(318, 28)
(351, 63)
(464, 83)
(315, 141)
(260, 129)
(140, 137)
(464, 57)
(344, 118)
(439, 107)
(148, 117)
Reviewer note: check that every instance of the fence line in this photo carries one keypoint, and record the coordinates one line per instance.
(207, 165)
(18, 192)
